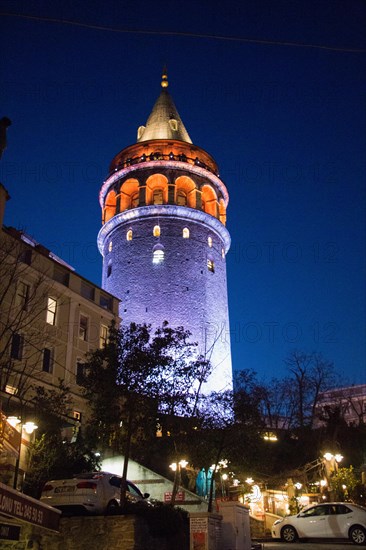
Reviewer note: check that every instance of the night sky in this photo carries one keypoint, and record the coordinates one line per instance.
(284, 119)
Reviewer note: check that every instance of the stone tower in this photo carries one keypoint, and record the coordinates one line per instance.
(163, 238)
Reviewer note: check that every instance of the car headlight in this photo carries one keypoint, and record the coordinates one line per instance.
(278, 521)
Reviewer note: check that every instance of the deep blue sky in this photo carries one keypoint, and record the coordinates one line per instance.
(286, 125)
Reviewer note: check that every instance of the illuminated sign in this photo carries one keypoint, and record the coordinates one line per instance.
(16, 505)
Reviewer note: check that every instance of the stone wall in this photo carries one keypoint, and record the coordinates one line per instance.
(93, 533)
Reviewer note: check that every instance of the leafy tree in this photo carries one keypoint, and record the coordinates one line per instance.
(52, 455)
(138, 373)
(344, 482)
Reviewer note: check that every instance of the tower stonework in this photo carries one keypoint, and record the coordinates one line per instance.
(164, 240)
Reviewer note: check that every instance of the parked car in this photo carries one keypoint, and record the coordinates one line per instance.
(95, 492)
(326, 520)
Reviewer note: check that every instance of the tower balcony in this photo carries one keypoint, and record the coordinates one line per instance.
(168, 150)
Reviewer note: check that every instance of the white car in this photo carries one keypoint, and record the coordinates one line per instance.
(327, 520)
(95, 492)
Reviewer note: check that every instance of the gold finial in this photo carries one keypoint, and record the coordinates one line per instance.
(164, 78)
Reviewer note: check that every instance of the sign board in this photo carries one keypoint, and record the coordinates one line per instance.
(9, 436)
(179, 497)
(9, 532)
(198, 525)
(16, 505)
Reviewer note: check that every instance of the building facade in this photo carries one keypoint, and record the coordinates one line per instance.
(50, 317)
(164, 240)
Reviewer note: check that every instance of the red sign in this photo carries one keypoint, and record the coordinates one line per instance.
(9, 436)
(19, 506)
(179, 497)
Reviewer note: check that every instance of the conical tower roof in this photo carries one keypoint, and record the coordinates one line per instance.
(164, 121)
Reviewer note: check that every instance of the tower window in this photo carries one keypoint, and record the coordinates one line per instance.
(109, 269)
(110, 246)
(51, 311)
(223, 253)
(181, 198)
(158, 254)
(185, 233)
(210, 265)
(134, 200)
(158, 196)
(129, 235)
(156, 231)
(209, 240)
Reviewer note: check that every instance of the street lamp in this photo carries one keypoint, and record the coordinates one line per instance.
(177, 467)
(29, 427)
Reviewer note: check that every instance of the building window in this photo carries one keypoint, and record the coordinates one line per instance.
(47, 361)
(135, 200)
(109, 269)
(79, 373)
(17, 346)
(186, 233)
(158, 196)
(87, 291)
(158, 254)
(61, 276)
(181, 198)
(105, 301)
(11, 389)
(103, 336)
(110, 246)
(83, 327)
(51, 311)
(209, 240)
(129, 235)
(210, 265)
(76, 415)
(26, 257)
(223, 253)
(23, 295)
(156, 231)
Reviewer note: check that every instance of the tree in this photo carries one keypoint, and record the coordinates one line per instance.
(310, 374)
(138, 373)
(52, 454)
(23, 284)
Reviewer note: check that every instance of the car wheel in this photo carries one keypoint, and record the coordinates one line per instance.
(288, 534)
(357, 535)
(112, 507)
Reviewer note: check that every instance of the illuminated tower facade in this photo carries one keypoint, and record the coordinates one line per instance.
(164, 240)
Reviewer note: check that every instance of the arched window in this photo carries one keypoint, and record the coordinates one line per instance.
(158, 196)
(156, 231)
(209, 241)
(110, 206)
(110, 246)
(210, 265)
(223, 253)
(158, 254)
(185, 233)
(134, 200)
(129, 235)
(181, 198)
(109, 269)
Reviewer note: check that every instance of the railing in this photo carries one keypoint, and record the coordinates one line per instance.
(160, 156)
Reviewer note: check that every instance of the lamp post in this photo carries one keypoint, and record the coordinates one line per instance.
(29, 427)
(177, 467)
(331, 462)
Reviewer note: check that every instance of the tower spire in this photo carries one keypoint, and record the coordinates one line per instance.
(164, 78)
(164, 121)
